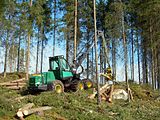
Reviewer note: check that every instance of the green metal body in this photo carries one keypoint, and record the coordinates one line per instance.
(59, 69)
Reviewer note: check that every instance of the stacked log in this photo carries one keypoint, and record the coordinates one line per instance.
(103, 92)
(15, 84)
(27, 110)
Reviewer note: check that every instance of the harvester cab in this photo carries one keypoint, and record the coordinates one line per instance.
(60, 67)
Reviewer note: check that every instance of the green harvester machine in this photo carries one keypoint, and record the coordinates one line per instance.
(59, 77)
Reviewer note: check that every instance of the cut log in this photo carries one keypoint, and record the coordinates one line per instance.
(120, 94)
(102, 90)
(130, 94)
(20, 114)
(27, 106)
(19, 80)
(4, 83)
(13, 84)
(20, 111)
(14, 87)
(34, 110)
(110, 94)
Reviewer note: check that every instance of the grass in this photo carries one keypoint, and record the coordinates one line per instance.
(76, 106)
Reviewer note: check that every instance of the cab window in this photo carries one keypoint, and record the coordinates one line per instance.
(54, 65)
(64, 64)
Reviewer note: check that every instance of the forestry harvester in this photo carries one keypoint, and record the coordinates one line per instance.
(61, 76)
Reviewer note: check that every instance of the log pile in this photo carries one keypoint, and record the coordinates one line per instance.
(15, 84)
(28, 110)
(105, 92)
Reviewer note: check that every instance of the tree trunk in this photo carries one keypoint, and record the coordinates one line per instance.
(54, 31)
(132, 56)
(138, 54)
(87, 54)
(75, 31)
(28, 56)
(67, 47)
(37, 52)
(28, 50)
(6, 55)
(18, 58)
(96, 56)
(114, 58)
(158, 68)
(152, 56)
(42, 40)
(93, 64)
(101, 62)
(155, 69)
(125, 50)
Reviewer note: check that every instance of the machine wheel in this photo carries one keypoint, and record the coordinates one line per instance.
(56, 86)
(77, 85)
(87, 83)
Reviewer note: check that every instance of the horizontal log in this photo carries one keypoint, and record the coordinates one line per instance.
(20, 110)
(33, 110)
(19, 80)
(4, 83)
(26, 106)
(20, 114)
(20, 98)
(14, 87)
(14, 81)
(13, 84)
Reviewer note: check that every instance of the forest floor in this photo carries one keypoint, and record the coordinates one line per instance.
(76, 105)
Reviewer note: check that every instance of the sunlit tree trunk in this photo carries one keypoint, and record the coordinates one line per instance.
(42, 40)
(75, 31)
(6, 55)
(37, 54)
(96, 56)
(28, 49)
(114, 58)
(125, 49)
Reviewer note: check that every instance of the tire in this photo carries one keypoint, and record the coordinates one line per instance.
(77, 85)
(87, 83)
(56, 86)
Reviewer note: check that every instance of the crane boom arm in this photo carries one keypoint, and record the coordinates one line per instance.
(90, 45)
